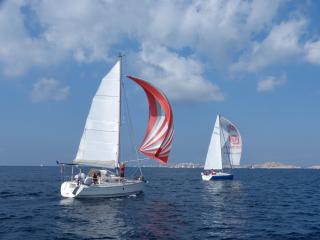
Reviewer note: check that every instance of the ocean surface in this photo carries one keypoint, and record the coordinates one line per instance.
(176, 204)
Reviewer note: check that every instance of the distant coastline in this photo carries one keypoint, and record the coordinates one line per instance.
(265, 165)
(274, 165)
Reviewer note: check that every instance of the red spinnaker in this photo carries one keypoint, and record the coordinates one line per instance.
(158, 138)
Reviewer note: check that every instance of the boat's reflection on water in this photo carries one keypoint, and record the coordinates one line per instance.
(223, 201)
(217, 187)
(94, 218)
(199, 209)
(161, 221)
(124, 218)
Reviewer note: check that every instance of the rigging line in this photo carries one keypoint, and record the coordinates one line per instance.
(61, 172)
(131, 170)
(103, 95)
(130, 128)
(119, 126)
(137, 160)
(131, 131)
(134, 172)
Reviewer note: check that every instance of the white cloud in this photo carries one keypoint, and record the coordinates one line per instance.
(212, 29)
(18, 50)
(49, 89)
(239, 35)
(280, 46)
(88, 30)
(270, 83)
(313, 52)
(180, 78)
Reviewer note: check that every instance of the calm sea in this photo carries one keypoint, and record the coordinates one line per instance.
(176, 204)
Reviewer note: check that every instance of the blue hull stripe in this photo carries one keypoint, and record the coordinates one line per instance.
(228, 177)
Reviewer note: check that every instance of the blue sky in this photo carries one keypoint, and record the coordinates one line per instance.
(255, 62)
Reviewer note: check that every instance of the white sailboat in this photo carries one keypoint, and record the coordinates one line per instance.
(225, 146)
(100, 145)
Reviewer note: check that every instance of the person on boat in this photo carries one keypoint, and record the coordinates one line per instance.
(99, 177)
(95, 177)
(80, 178)
(213, 172)
(121, 170)
(77, 178)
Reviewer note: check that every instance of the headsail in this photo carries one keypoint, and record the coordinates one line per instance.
(214, 160)
(231, 142)
(99, 145)
(158, 138)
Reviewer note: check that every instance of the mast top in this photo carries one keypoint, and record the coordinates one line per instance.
(120, 55)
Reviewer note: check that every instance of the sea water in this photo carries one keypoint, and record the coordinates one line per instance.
(176, 204)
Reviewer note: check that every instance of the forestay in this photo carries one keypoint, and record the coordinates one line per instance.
(99, 145)
(231, 142)
(214, 160)
(158, 138)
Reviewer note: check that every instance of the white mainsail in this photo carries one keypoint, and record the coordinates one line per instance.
(231, 142)
(214, 159)
(99, 145)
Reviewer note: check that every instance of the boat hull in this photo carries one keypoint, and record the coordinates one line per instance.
(71, 189)
(216, 177)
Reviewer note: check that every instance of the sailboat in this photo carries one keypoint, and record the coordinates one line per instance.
(100, 145)
(225, 146)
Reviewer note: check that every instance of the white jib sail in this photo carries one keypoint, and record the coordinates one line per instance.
(99, 145)
(214, 160)
(231, 142)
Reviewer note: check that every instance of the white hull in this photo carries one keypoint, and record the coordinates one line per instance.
(70, 189)
(206, 177)
(216, 176)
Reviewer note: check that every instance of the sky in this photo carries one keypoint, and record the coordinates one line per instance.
(255, 62)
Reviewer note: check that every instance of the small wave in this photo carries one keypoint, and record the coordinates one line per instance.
(8, 194)
(27, 217)
(6, 218)
(34, 194)
(5, 192)
(204, 229)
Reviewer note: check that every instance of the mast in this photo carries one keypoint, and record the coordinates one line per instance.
(120, 119)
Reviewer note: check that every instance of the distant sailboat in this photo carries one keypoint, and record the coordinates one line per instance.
(225, 146)
(100, 144)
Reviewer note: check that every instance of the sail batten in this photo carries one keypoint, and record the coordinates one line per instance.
(158, 138)
(99, 145)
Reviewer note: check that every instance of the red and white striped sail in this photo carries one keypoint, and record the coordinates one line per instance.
(158, 138)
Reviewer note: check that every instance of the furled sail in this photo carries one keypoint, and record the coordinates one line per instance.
(158, 138)
(214, 160)
(99, 145)
(231, 142)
